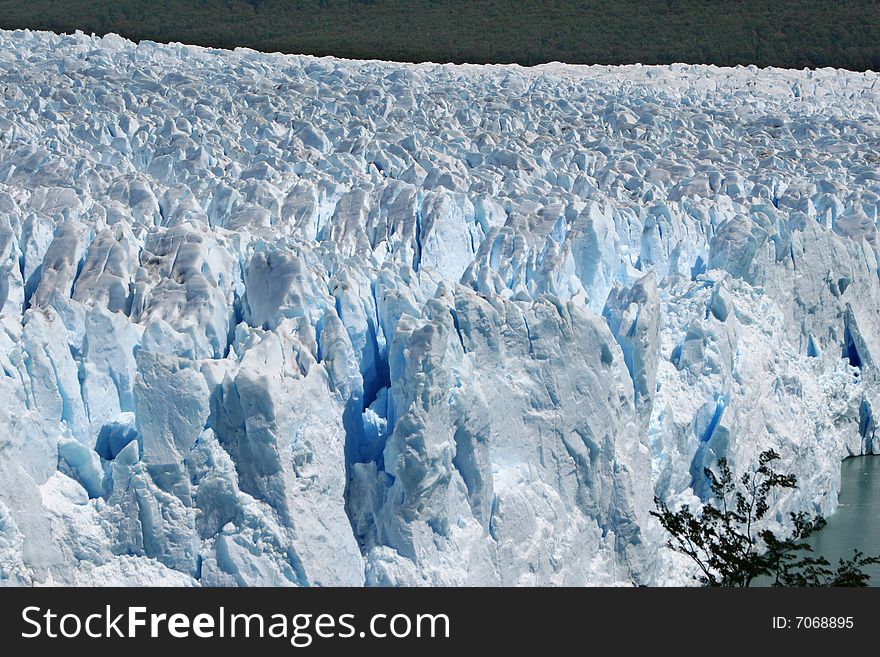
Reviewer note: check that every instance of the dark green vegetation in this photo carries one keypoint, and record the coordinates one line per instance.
(788, 33)
(724, 540)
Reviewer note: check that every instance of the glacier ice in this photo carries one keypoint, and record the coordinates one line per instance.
(283, 320)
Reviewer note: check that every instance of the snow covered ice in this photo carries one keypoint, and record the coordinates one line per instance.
(280, 320)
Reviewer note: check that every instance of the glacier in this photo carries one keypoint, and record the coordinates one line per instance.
(292, 321)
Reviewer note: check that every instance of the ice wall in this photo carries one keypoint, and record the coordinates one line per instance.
(295, 321)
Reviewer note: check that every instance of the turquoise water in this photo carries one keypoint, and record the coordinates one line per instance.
(856, 521)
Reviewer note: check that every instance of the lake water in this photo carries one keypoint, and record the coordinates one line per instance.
(856, 521)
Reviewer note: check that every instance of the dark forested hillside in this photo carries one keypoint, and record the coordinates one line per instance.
(813, 33)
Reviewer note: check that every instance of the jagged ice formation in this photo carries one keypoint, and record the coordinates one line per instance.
(293, 321)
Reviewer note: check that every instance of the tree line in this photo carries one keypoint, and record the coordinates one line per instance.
(786, 33)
